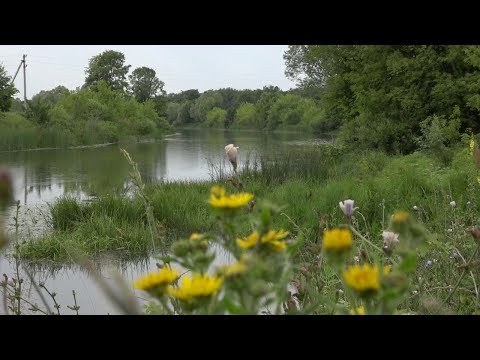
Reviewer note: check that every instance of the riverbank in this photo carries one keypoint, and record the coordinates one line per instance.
(304, 181)
(307, 184)
(282, 130)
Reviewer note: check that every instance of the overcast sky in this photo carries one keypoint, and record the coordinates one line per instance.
(181, 67)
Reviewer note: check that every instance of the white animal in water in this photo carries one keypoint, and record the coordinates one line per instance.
(231, 151)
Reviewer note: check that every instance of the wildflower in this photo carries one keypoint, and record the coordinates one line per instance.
(415, 207)
(219, 199)
(217, 191)
(161, 278)
(337, 240)
(449, 230)
(362, 278)
(469, 203)
(275, 238)
(472, 146)
(387, 269)
(400, 217)
(429, 264)
(234, 269)
(453, 204)
(250, 241)
(196, 286)
(347, 207)
(357, 311)
(231, 151)
(356, 259)
(195, 236)
(202, 243)
(390, 240)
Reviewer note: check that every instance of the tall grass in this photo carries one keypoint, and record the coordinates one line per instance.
(309, 184)
(32, 138)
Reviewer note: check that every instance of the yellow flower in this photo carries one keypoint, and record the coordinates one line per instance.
(195, 236)
(219, 199)
(272, 235)
(400, 217)
(362, 278)
(217, 191)
(250, 241)
(161, 278)
(337, 240)
(196, 286)
(472, 146)
(275, 238)
(387, 269)
(278, 245)
(358, 311)
(236, 268)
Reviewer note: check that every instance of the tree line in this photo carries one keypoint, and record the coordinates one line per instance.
(397, 98)
(111, 104)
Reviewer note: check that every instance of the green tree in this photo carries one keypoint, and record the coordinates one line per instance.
(7, 90)
(191, 94)
(110, 67)
(51, 96)
(245, 116)
(206, 102)
(287, 110)
(179, 114)
(216, 117)
(144, 84)
(172, 112)
(161, 103)
(263, 106)
(381, 95)
(17, 105)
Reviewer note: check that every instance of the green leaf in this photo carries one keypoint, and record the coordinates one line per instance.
(409, 263)
(266, 217)
(232, 308)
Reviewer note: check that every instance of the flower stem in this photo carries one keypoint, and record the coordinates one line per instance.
(461, 276)
(365, 239)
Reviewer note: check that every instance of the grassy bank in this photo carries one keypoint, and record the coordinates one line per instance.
(309, 184)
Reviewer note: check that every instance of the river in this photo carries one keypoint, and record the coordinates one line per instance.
(42, 176)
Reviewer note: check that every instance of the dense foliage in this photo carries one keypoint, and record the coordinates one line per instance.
(106, 109)
(393, 97)
(7, 90)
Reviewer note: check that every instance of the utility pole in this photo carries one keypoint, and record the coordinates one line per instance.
(24, 80)
(22, 62)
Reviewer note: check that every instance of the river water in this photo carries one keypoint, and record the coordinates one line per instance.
(42, 176)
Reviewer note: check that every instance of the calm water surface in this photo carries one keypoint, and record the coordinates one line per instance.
(40, 177)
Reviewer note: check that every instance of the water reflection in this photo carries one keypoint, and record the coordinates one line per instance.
(42, 176)
(90, 298)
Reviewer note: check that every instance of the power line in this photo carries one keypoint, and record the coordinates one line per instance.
(50, 63)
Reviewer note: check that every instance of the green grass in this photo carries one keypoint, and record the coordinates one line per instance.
(33, 138)
(378, 184)
(309, 184)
